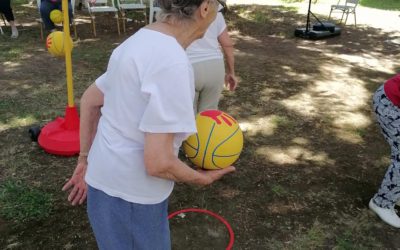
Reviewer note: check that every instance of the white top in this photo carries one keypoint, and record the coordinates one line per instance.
(148, 87)
(207, 48)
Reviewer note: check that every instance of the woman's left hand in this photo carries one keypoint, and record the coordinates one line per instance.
(231, 82)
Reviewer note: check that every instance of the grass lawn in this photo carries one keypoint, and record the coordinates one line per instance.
(313, 155)
(382, 4)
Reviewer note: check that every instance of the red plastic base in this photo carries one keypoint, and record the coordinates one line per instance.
(61, 136)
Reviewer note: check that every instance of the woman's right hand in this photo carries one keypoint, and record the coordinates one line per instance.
(231, 82)
(214, 175)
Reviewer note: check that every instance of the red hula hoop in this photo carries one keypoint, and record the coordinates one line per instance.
(204, 211)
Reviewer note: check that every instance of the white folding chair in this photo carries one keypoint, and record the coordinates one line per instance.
(40, 21)
(102, 6)
(154, 8)
(130, 5)
(349, 7)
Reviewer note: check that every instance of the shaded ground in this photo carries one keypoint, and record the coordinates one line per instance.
(313, 156)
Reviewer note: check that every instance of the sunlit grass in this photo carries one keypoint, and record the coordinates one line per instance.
(11, 54)
(382, 4)
(16, 122)
(294, 155)
(259, 16)
(283, 121)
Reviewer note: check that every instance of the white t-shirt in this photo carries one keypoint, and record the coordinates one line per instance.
(207, 48)
(148, 87)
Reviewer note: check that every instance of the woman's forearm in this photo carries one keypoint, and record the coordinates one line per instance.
(227, 48)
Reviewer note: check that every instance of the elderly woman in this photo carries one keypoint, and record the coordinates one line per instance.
(208, 64)
(133, 120)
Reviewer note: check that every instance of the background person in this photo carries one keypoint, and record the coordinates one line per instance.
(5, 8)
(386, 103)
(208, 64)
(46, 6)
(133, 121)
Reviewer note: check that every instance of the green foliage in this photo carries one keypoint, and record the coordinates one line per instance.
(19, 2)
(279, 190)
(312, 239)
(18, 202)
(381, 4)
(344, 241)
(11, 54)
(283, 121)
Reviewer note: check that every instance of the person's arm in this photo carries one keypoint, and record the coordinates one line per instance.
(160, 161)
(227, 47)
(91, 102)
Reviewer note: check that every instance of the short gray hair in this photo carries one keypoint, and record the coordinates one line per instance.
(178, 9)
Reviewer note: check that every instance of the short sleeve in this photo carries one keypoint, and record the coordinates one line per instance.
(101, 82)
(170, 94)
(221, 24)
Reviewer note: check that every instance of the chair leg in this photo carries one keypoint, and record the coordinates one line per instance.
(355, 19)
(4, 20)
(145, 16)
(123, 18)
(41, 31)
(93, 25)
(341, 19)
(151, 15)
(347, 15)
(119, 29)
(75, 33)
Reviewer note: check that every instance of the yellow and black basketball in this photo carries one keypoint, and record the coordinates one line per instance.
(218, 142)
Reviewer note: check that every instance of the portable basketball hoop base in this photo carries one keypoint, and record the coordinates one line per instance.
(317, 31)
(61, 136)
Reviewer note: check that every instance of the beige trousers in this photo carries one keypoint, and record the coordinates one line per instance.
(209, 82)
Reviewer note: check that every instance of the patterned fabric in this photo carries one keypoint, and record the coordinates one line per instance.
(388, 117)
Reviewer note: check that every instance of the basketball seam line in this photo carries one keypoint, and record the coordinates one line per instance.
(197, 149)
(215, 149)
(208, 140)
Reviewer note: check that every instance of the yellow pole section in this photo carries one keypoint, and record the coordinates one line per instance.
(67, 48)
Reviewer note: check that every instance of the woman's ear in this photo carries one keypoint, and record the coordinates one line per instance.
(205, 8)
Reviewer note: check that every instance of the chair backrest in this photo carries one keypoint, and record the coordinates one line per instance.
(130, 4)
(154, 7)
(101, 6)
(99, 3)
(352, 3)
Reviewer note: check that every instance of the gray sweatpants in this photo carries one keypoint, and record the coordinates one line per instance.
(209, 80)
(388, 117)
